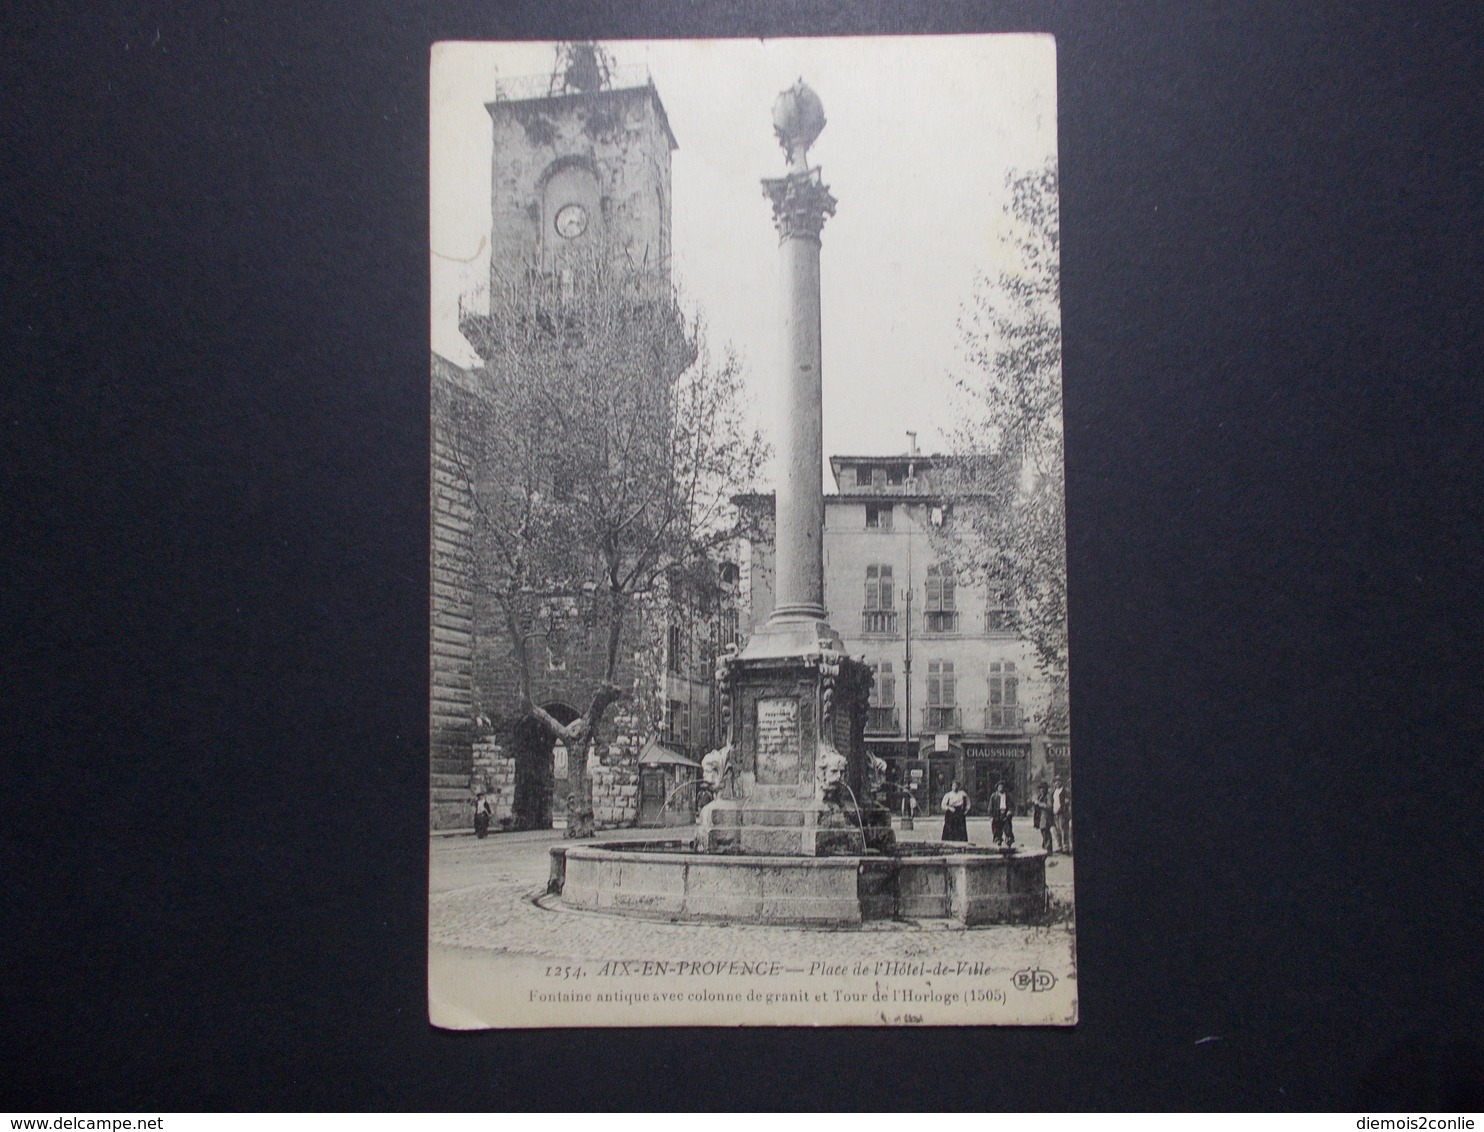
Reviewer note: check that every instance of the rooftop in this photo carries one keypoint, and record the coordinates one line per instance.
(549, 84)
(532, 90)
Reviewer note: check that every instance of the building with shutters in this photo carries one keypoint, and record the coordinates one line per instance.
(958, 692)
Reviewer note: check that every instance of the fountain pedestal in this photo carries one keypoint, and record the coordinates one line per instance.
(796, 770)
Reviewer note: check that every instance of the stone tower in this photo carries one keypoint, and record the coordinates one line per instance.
(580, 169)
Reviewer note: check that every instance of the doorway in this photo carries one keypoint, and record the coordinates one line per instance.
(941, 773)
(538, 791)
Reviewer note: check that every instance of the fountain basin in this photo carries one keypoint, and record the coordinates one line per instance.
(670, 880)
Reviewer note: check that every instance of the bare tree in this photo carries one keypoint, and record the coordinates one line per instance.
(608, 446)
(1008, 525)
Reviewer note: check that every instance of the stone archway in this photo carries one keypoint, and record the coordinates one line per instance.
(536, 785)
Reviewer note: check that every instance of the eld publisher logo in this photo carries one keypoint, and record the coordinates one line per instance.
(1034, 980)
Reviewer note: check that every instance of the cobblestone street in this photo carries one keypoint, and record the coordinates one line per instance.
(484, 913)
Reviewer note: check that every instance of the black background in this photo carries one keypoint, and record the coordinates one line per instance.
(215, 557)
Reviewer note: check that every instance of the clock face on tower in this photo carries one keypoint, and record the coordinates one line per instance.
(571, 221)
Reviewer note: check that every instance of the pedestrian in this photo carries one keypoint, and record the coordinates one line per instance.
(479, 792)
(1061, 811)
(1041, 816)
(955, 813)
(1001, 815)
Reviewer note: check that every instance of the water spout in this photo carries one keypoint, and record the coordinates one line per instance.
(856, 803)
(688, 784)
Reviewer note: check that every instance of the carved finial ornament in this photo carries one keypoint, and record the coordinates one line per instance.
(798, 119)
(801, 202)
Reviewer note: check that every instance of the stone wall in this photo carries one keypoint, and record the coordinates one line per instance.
(615, 774)
(452, 569)
(626, 737)
(498, 772)
(615, 796)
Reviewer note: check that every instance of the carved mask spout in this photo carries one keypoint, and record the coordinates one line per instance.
(829, 775)
(714, 767)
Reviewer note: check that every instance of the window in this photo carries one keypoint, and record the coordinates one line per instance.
(863, 475)
(999, 613)
(709, 636)
(879, 592)
(942, 686)
(878, 518)
(1004, 693)
(883, 685)
(664, 228)
(896, 476)
(939, 614)
(881, 715)
(677, 723)
(675, 650)
(880, 608)
(941, 713)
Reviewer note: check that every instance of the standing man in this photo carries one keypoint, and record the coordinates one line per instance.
(1042, 817)
(1061, 810)
(1001, 814)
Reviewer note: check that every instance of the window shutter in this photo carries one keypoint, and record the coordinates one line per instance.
(950, 688)
(888, 598)
(872, 588)
(1012, 683)
(888, 685)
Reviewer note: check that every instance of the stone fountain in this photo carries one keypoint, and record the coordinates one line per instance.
(796, 831)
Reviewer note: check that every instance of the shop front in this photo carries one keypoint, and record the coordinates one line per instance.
(931, 774)
(977, 764)
(1058, 757)
(989, 763)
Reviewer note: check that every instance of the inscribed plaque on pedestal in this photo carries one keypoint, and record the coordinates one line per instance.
(778, 746)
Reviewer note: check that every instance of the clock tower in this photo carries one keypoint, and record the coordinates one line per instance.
(580, 177)
(581, 168)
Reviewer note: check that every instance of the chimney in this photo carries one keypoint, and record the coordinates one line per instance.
(911, 443)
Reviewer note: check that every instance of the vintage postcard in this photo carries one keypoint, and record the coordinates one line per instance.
(749, 662)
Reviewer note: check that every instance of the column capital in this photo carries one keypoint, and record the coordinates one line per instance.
(801, 203)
